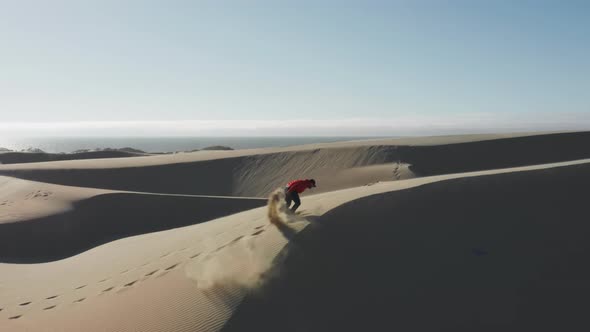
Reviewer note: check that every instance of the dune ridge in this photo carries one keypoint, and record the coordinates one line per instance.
(14, 157)
(256, 173)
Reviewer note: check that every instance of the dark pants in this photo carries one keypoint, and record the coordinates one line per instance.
(292, 196)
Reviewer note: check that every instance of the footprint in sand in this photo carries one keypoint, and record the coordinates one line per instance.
(39, 194)
(172, 266)
(258, 232)
(229, 243)
(235, 240)
(107, 289)
(130, 283)
(151, 273)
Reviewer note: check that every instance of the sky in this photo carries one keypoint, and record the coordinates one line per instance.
(192, 68)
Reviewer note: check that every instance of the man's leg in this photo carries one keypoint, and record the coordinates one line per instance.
(296, 200)
(288, 198)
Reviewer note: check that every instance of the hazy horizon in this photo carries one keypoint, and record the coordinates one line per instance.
(301, 128)
(68, 144)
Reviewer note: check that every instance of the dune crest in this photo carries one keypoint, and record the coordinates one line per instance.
(256, 173)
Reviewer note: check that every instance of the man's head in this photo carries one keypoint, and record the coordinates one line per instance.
(312, 183)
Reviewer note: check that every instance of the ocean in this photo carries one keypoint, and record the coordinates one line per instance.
(159, 144)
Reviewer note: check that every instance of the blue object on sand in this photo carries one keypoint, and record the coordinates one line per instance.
(479, 252)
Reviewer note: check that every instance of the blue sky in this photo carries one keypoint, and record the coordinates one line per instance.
(309, 67)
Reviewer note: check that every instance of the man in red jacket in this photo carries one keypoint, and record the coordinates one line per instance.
(294, 188)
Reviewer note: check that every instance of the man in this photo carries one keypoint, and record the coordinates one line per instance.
(294, 188)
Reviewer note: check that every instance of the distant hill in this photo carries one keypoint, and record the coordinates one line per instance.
(32, 155)
(126, 149)
(218, 147)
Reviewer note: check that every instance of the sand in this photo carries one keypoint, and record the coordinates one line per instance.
(411, 240)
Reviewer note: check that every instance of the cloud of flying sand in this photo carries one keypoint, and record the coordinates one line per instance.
(242, 263)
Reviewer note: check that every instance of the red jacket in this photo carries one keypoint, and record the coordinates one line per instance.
(299, 186)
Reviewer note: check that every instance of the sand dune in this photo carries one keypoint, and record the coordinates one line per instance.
(24, 200)
(189, 278)
(484, 250)
(252, 175)
(500, 252)
(158, 281)
(42, 222)
(107, 217)
(258, 172)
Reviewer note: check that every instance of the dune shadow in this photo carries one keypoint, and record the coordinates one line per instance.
(499, 252)
(106, 218)
(287, 231)
(497, 153)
